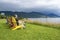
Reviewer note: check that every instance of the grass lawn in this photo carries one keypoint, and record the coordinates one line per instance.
(32, 32)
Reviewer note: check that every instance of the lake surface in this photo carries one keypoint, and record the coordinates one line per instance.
(45, 20)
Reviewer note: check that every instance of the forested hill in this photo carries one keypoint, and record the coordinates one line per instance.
(29, 14)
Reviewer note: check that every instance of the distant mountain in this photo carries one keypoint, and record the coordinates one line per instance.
(52, 15)
(29, 14)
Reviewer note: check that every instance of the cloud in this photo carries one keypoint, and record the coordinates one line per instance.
(31, 5)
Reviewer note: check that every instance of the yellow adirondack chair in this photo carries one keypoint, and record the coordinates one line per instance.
(15, 26)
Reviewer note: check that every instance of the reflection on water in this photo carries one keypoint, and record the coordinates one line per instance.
(49, 20)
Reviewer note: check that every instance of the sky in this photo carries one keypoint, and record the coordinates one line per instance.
(31, 5)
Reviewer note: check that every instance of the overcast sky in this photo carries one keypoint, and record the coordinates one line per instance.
(30, 5)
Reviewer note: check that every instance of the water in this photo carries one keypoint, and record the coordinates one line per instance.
(46, 20)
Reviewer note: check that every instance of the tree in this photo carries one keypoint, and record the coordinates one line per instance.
(2, 16)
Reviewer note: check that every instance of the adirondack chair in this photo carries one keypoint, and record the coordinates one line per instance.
(13, 24)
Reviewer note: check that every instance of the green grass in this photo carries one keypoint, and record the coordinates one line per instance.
(32, 32)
